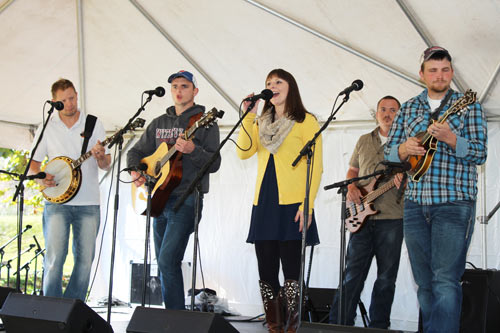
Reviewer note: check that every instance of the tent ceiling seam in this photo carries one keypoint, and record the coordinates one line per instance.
(5, 5)
(427, 40)
(489, 84)
(81, 55)
(334, 42)
(184, 54)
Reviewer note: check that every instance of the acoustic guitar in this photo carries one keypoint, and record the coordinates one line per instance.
(165, 166)
(356, 214)
(421, 163)
(68, 174)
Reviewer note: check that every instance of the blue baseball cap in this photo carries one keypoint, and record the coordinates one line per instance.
(185, 74)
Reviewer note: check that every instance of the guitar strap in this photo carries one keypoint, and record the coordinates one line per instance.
(87, 133)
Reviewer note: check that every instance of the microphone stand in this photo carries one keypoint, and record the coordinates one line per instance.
(307, 150)
(343, 190)
(145, 272)
(118, 139)
(191, 188)
(2, 252)
(20, 203)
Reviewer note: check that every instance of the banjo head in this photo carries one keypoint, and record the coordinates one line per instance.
(67, 180)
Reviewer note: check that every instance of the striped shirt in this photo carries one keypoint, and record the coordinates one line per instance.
(452, 174)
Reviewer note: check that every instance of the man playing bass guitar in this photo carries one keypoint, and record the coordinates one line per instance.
(380, 235)
(439, 208)
(173, 228)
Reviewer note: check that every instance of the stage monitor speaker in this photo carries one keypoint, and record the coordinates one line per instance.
(4, 292)
(318, 305)
(41, 314)
(324, 328)
(480, 301)
(154, 320)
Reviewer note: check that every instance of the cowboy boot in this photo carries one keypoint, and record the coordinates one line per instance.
(291, 295)
(272, 308)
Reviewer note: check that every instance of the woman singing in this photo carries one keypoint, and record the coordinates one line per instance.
(277, 136)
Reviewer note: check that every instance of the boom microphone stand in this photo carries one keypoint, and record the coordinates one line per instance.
(2, 252)
(20, 192)
(307, 150)
(118, 139)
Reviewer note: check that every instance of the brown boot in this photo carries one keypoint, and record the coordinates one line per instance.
(272, 307)
(291, 294)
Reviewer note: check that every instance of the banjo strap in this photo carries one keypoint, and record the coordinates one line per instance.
(87, 133)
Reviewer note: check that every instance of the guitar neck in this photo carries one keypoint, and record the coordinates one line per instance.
(186, 136)
(370, 197)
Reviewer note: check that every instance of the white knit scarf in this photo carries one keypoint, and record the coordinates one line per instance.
(271, 133)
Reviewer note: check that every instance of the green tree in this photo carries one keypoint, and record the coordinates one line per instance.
(15, 161)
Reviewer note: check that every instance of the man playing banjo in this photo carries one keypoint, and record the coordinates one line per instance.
(63, 137)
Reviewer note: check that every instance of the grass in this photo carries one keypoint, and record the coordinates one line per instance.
(8, 230)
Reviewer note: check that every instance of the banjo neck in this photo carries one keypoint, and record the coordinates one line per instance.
(76, 163)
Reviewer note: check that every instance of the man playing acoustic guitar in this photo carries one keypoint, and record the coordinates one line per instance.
(439, 211)
(380, 235)
(173, 228)
(62, 137)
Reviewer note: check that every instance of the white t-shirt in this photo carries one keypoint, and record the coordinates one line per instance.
(59, 140)
(434, 103)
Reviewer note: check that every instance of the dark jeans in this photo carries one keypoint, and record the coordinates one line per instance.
(171, 235)
(382, 239)
(437, 238)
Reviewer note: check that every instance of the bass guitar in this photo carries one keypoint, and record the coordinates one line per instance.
(421, 163)
(356, 214)
(68, 174)
(165, 165)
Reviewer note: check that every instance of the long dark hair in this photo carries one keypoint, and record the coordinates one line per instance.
(294, 109)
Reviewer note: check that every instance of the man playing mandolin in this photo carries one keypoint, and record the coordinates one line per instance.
(446, 130)
(380, 235)
(173, 228)
(62, 137)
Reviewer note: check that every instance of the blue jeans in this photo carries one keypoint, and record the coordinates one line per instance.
(57, 219)
(437, 238)
(381, 239)
(171, 235)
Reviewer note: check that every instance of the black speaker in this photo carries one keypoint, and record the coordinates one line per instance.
(152, 320)
(318, 305)
(153, 285)
(40, 314)
(480, 301)
(4, 292)
(324, 328)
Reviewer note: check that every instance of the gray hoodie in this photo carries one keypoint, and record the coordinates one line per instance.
(167, 128)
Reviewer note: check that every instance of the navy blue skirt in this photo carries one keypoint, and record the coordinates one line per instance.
(272, 221)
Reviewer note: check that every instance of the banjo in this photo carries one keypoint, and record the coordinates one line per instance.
(68, 174)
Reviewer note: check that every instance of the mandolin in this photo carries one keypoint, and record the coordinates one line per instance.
(421, 163)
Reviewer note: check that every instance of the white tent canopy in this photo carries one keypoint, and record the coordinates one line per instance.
(113, 50)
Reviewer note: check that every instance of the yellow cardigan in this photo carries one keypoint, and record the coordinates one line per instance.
(291, 180)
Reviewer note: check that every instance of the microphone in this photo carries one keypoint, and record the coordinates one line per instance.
(140, 167)
(403, 166)
(355, 85)
(159, 91)
(58, 105)
(40, 175)
(265, 94)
